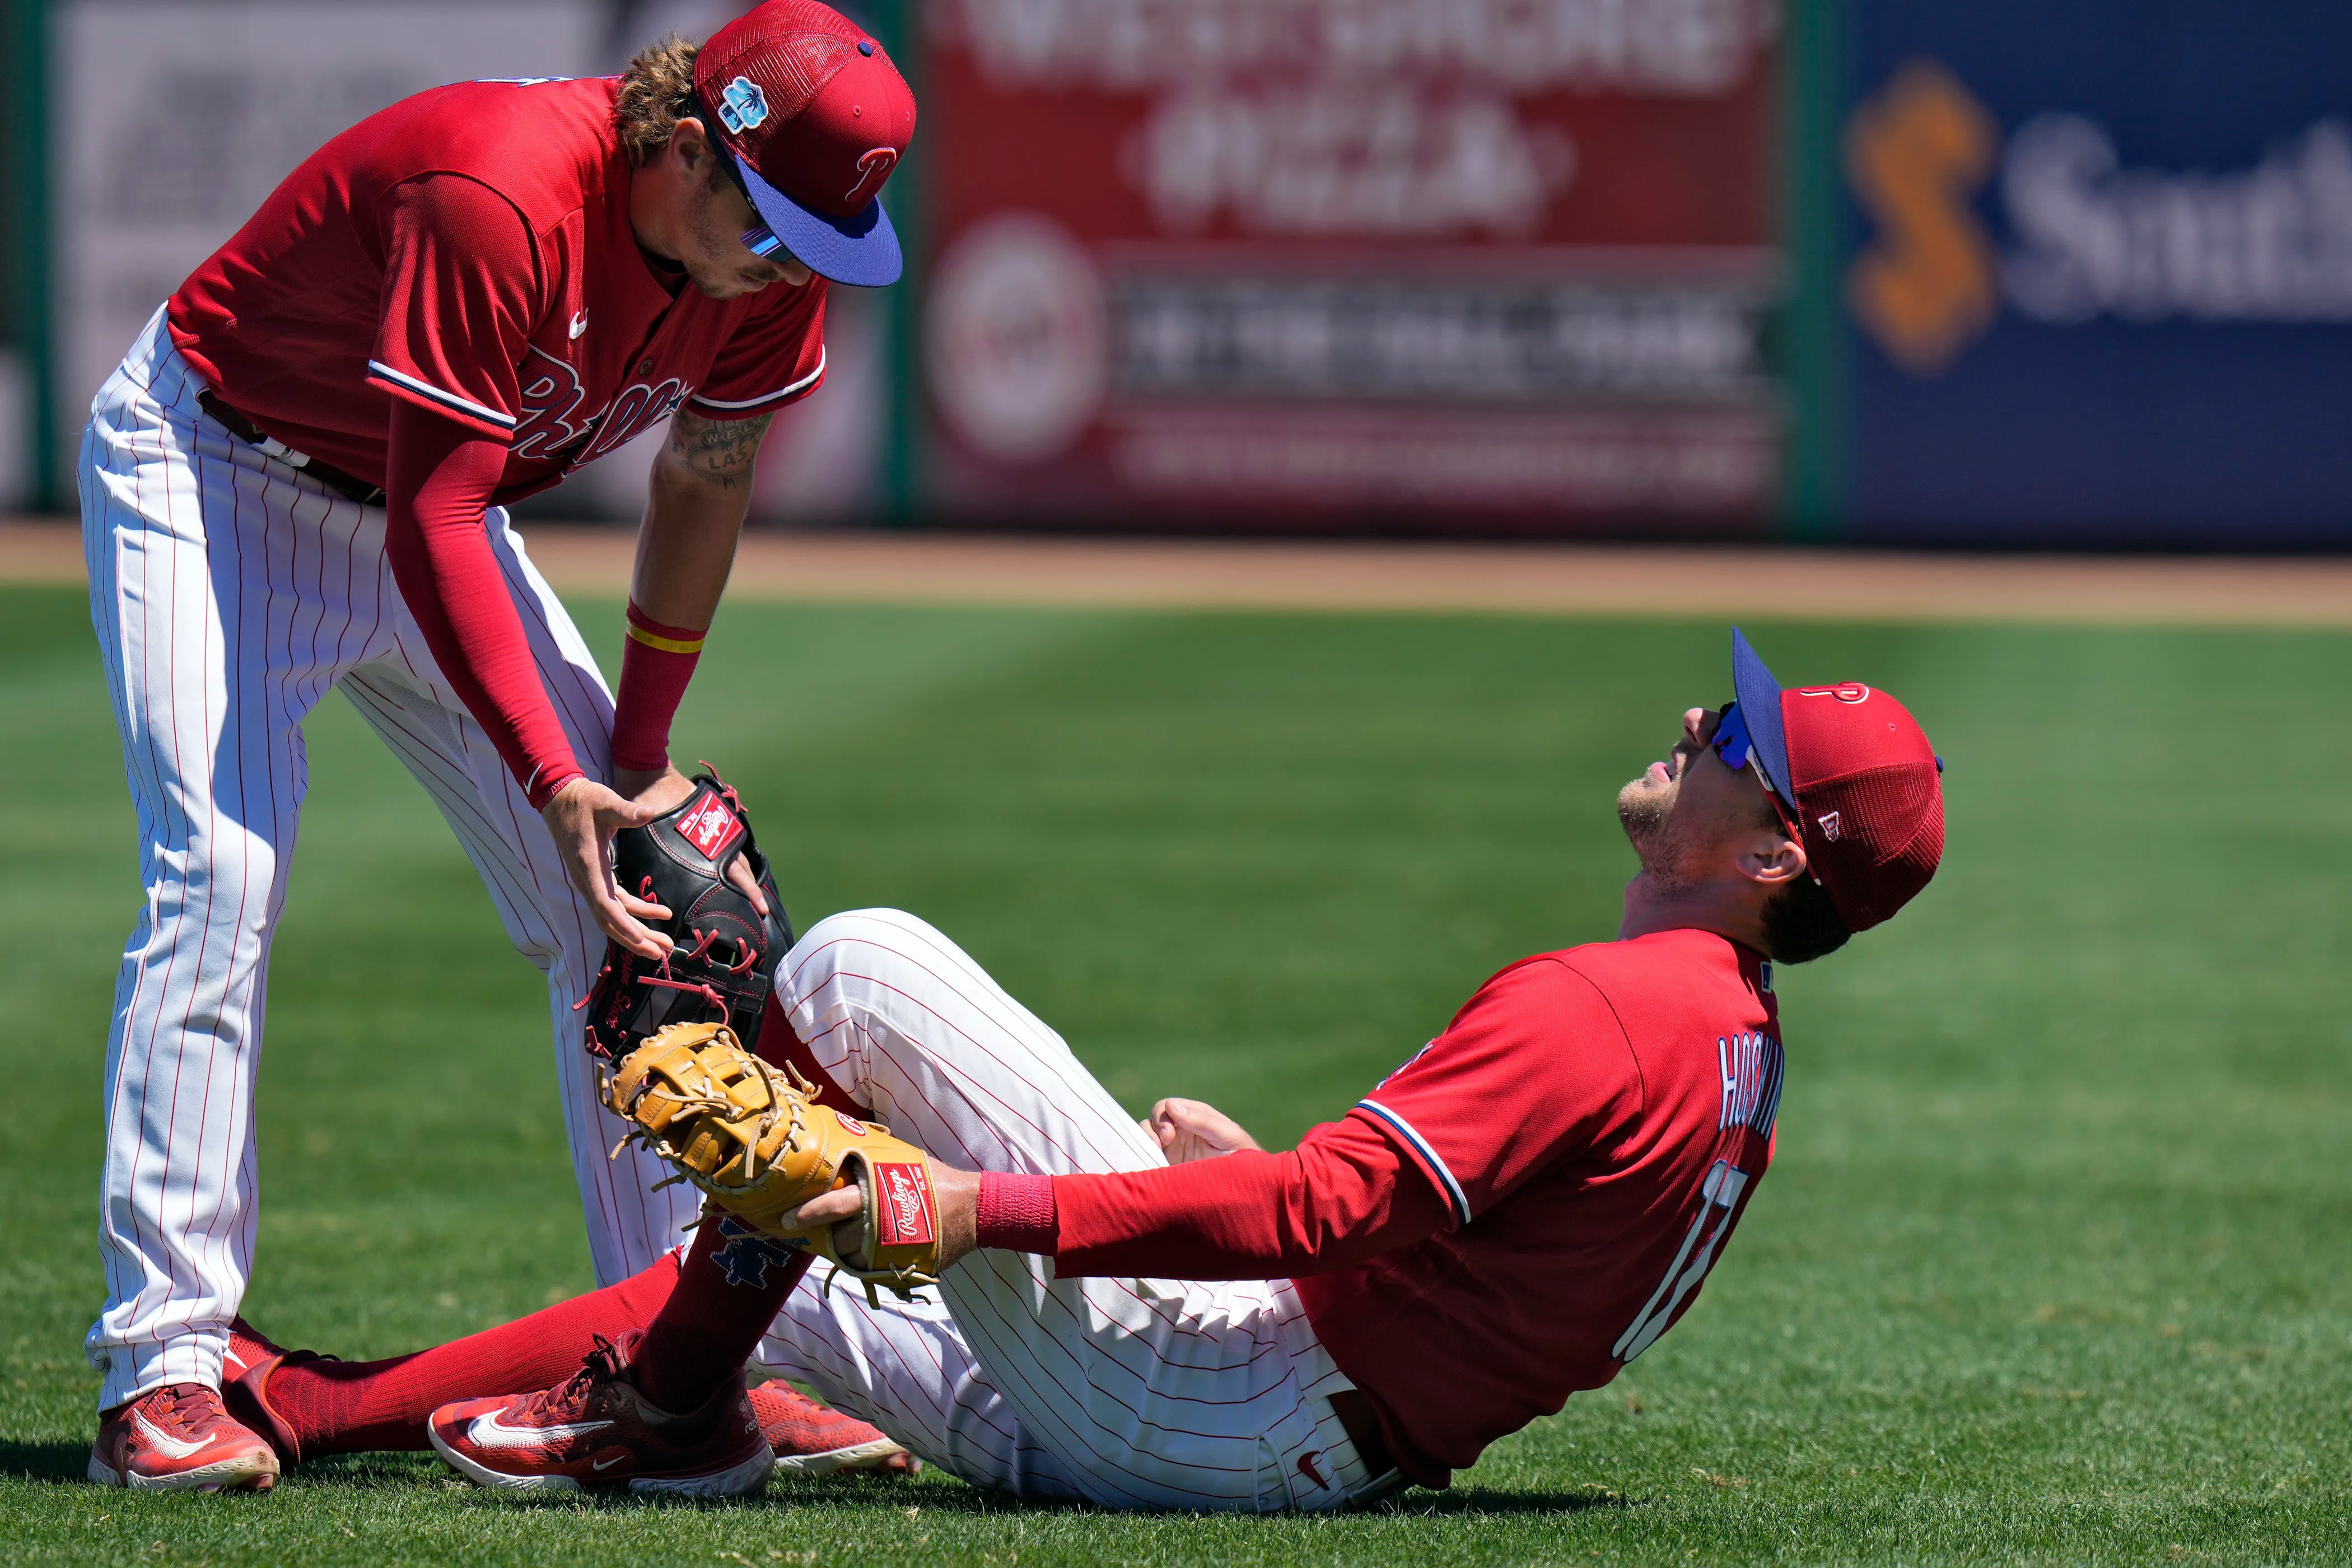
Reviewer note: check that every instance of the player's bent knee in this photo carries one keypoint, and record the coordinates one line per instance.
(870, 935)
(870, 944)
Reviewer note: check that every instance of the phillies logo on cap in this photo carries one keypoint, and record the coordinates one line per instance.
(1845, 692)
(875, 166)
(904, 1190)
(710, 828)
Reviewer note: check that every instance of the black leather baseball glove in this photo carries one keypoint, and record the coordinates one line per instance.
(721, 970)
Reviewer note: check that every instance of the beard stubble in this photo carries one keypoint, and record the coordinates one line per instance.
(1648, 819)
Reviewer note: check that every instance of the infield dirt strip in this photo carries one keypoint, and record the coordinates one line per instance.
(1517, 579)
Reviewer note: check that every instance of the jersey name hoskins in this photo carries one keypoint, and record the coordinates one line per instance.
(1751, 1065)
(549, 427)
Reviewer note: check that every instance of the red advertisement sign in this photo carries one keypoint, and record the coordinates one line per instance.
(1467, 259)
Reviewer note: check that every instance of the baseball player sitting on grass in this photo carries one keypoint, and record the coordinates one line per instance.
(1166, 1315)
(298, 480)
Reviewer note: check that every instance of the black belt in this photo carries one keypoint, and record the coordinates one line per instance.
(345, 485)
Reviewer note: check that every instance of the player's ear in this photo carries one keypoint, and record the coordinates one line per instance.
(690, 143)
(1772, 858)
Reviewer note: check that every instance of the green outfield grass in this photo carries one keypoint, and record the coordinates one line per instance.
(2050, 1267)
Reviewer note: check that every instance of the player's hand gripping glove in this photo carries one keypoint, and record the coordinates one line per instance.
(749, 1135)
(723, 964)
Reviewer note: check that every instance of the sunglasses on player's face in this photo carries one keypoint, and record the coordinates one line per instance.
(761, 241)
(1737, 748)
(1731, 741)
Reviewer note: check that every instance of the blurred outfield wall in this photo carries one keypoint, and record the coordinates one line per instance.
(2074, 271)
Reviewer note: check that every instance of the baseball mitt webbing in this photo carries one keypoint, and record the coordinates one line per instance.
(749, 1134)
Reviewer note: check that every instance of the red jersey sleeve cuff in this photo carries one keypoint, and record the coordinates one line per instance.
(730, 408)
(1422, 1156)
(478, 418)
(1016, 1213)
(544, 784)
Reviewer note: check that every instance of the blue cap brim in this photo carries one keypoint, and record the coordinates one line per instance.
(1760, 705)
(861, 250)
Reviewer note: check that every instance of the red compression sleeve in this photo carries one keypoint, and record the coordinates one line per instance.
(439, 479)
(656, 661)
(1334, 1201)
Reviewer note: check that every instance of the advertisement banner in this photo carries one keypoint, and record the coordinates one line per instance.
(2099, 284)
(1476, 263)
(185, 117)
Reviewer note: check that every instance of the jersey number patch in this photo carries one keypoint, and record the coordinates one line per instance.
(1725, 1183)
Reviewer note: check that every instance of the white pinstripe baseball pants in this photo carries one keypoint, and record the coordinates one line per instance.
(229, 594)
(1128, 1393)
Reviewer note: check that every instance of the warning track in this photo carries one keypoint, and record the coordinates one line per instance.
(1514, 579)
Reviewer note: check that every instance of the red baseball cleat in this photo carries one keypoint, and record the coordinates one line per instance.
(597, 1433)
(810, 1441)
(246, 1367)
(179, 1439)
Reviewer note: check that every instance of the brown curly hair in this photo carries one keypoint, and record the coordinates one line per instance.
(656, 92)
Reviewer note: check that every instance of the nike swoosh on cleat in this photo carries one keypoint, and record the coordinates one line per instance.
(608, 1464)
(170, 1448)
(489, 1432)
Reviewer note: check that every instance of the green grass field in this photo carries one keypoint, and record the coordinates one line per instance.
(2050, 1267)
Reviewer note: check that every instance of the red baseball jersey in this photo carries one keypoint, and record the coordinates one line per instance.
(469, 250)
(1596, 1121)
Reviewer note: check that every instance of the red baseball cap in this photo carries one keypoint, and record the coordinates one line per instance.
(1858, 775)
(813, 117)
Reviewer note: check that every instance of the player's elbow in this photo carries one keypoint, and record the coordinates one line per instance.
(680, 483)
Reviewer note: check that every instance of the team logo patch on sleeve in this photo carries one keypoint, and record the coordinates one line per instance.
(710, 828)
(904, 1189)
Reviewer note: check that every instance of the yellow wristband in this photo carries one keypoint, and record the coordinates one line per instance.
(667, 644)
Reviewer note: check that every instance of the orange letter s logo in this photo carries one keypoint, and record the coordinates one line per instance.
(1916, 154)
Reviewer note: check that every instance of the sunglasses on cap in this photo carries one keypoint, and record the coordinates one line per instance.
(1737, 749)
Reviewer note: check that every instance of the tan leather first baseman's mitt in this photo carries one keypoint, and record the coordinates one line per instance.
(750, 1135)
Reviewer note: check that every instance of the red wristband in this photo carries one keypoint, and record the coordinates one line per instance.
(657, 662)
(1015, 1214)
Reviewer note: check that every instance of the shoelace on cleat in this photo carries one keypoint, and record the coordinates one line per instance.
(171, 1412)
(600, 1366)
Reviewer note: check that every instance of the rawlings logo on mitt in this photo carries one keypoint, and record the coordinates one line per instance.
(722, 969)
(750, 1136)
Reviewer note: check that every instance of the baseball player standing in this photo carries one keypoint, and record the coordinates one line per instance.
(1516, 1213)
(298, 480)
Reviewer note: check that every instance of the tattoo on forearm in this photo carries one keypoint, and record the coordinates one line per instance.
(718, 452)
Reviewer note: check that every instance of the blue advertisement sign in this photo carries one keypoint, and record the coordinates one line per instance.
(2098, 283)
